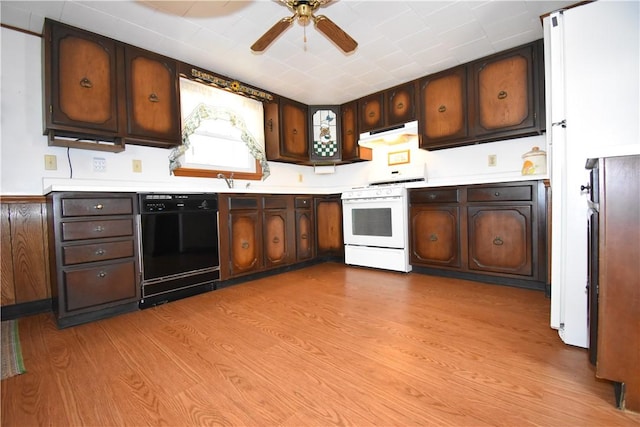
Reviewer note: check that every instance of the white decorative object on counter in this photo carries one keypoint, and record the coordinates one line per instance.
(535, 162)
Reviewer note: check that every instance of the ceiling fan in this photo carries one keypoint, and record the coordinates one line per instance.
(303, 11)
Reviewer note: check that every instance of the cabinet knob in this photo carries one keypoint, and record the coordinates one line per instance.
(349, 132)
(371, 114)
(244, 245)
(102, 274)
(433, 237)
(502, 94)
(295, 131)
(86, 83)
(100, 252)
(497, 194)
(432, 196)
(400, 106)
(498, 241)
(303, 237)
(99, 206)
(154, 98)
(442, 109)
(99, 229)
(276, 239)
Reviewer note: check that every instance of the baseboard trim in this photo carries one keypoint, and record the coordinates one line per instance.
(15, 311)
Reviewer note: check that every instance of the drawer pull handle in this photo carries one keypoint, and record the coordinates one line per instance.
(100, 252)
(502, 94)
(303, 237)
(102, 274)
(497, 194)
(276, 239)
(498, 241)
(245, 245)
(154, 98)
(442, 109)
(99, 229)
(372, 114)
(432, 196)
(86, 83)
(400, 106)
(99, 206)
(433, 237)
(350, 132)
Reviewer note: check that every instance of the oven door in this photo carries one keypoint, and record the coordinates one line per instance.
(378, 222)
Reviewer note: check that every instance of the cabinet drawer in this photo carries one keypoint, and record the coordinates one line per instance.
(98, 206)
(303, 202)
(243, 203)
(100, 285)
(275, 203)
(499, 193)
(96, 229)
(448, 195)
(97, 252)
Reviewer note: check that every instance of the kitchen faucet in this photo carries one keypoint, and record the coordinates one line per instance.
(229, 180)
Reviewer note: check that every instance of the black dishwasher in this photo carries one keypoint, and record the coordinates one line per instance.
(179, 246)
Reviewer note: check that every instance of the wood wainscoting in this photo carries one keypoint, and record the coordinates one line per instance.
(324, 345)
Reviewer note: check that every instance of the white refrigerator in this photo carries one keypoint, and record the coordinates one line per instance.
(592, 97)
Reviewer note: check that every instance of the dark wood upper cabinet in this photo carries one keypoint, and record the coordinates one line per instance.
(497, 97)
(371, 112)
(387, 108)
(400, 104)
(153, 112)
(99, 89)
(507, 97)
(286, 131)
(80, 83)
(349, 129)
(443, 106)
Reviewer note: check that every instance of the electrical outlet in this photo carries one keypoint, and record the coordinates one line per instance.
(492, 160)
(99, 164)
(50, 162)
(136, 165)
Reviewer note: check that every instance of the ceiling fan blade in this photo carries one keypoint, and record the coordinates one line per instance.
(271, 34)
(335, 33)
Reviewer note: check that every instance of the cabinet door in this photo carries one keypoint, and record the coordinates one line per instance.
(435, 236)
(443, 99)
(504, 92)
(500, 239)
(328, 213)
(245, 242)
(272, 130)
(371, 112)
(153, 116)
(400, 104)
(294, 130)
(304, 234)
(276, 250)
(25, 273)
(349, 113)
(80, 81)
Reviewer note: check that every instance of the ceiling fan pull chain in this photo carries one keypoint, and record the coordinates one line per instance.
(304, 29)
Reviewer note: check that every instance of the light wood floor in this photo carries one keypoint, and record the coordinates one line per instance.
(325, 345)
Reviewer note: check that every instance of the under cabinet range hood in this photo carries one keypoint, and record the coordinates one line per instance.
(395, 154)
(394, 135)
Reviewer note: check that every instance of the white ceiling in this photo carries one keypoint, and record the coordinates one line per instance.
(398, 40)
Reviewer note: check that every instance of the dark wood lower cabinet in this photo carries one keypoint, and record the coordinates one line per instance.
(24, 255)
(264, 232)
(615, 287)
(329, 238)
(493, 232)
(94, 255)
